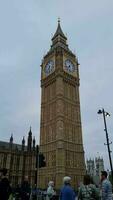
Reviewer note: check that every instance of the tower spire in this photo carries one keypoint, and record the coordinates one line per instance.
(59, 38)
(29, 146)
(59, 31)
(11, 141)
(34, 141)
(23, 143)
(11, 138)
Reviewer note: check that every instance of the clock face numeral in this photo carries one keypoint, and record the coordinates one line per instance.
(49, 68)
(69, 66)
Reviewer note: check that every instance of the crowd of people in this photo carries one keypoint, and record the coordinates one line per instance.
(7, 192)
(86, 190)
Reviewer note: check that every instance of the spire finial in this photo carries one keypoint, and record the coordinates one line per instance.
(58, 33)
(58, 20)
(30, 132)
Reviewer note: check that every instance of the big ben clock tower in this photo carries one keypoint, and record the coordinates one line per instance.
(60, 127)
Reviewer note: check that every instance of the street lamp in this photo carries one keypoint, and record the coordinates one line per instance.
(105, 114)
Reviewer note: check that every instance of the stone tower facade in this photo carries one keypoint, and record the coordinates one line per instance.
(94, 167)
(60, 128)
(91, 167)
(99, 165)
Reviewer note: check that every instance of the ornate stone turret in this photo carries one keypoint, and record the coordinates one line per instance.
(29, 144)
(99, 165)
(34, 142)
(23, 144)
(91, 167)
(11, 141)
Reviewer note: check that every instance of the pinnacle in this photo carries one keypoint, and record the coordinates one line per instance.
(59, 31)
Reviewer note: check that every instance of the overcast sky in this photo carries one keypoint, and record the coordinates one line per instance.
(26, 28)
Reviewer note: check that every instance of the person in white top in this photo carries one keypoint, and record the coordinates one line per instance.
(50, 191)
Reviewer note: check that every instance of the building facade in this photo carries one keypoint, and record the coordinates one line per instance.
(60, 128)
(20, 160)
(99, 166)
(94, 167)
(91, 167)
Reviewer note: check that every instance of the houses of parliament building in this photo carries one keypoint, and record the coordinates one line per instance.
(60, 124)
(20, 160)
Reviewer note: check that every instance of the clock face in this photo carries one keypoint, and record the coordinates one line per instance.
(49, 68)
(69, 66)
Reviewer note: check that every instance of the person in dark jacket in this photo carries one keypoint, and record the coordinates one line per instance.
(67, 193)
(5, 189)
(25, 189)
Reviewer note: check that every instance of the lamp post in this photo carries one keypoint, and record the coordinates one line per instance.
(105, 114)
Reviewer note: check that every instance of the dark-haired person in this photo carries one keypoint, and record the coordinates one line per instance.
(87, 190)
(106, 187)
(5, 189)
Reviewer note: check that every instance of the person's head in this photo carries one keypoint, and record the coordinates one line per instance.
(103, 175)
(67, 180)
(3, 172)
(51, 183)
(87, 180)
